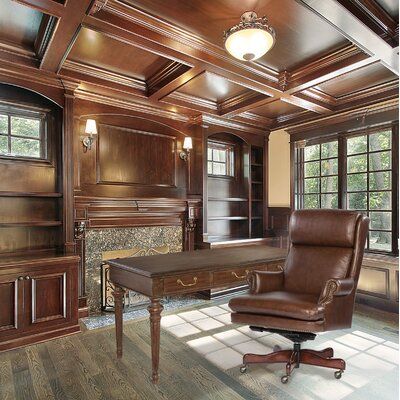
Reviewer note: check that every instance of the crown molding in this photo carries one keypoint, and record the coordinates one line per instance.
(101, 73)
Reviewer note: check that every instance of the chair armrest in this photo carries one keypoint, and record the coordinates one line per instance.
(335, 287)
(265, 281)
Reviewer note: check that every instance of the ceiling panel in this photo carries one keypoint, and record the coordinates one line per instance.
(359, 79)
(19, 24)
(275, 109)
(98, 50)
(301, 35)
(211, 87)
(391, 7)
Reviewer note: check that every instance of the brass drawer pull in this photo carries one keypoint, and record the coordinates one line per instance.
(240, 276)
(188, 284)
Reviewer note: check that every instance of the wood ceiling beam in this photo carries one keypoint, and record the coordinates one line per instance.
(45, 6)
(242, 103)
(374, 16)
(64, 35)
(308, 104)
(169, 80)
(355, 30)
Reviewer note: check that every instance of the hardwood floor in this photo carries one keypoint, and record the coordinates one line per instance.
(84, 366)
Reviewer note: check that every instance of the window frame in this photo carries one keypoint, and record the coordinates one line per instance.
(298, 175)
(229, 158)
(22, 112)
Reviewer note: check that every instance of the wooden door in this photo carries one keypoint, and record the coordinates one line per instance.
(47, 297)
(11, 304)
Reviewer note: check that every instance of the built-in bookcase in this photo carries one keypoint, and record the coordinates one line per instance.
(234, 206)
(256, 191)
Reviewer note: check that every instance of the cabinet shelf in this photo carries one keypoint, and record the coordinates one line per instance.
(30, 194)
(256, 217)
(227, 199)
(256, 165)
(256, 182)
(30, 223)
(232, 218)
(257, 200)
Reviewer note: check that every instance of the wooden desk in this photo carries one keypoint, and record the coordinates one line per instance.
(187, 272)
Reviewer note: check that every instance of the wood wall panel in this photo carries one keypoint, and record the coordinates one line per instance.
(374, 282)
(278, 220)
(133, 157)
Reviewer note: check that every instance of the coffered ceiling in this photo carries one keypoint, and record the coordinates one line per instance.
(168, 56)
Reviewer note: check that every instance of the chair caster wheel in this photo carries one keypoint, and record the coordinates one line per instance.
(338, 374)
(243, 369)
(285, 379)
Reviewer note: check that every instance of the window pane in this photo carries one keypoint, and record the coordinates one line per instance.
(3, 144)
(209, 167)
(380, 200)
(311, 185)
(219, 169)
(215, 154)
(311, 169)
(25, 147)
(380, 180)
(329, 167)
(378, 161)
(311, 201)
(209, 154)
(329, 184)
(381, 220)
(311, 152)
(357, 144)
(329, 149)
(222, 155)
(329, 200)
(4, 124)
(25, 127)
(356, 182)
(380, 141)
(357, 201)
(380, 241)
(357, 163)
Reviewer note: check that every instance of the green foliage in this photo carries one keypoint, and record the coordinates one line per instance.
(380, 180)
(357, 144)
(25, 127)
(357, 201)
(329, 167)
(329, 184)
(3, 145)
(379, 161)
(381, 220)
(329, 149)
(311, 201)
(311, 185)
(25, 147)
(380, 141)
(311, 152)
(356, 182)
(380, 200)
(329, 200)
(311, 169)
(4, 124)
(357, 163)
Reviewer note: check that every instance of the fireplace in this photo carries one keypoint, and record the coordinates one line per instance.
(103, 244)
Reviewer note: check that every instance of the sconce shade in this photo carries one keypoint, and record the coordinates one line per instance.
(187, 143)
(91, 128)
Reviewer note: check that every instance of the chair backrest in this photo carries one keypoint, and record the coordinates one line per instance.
(324, 244)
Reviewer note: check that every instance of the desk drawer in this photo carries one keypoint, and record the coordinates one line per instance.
(237, 275)
(187, 282)
(276, 266)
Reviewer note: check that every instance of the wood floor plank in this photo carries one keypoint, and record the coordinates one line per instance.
(41, 383)
(7, 391)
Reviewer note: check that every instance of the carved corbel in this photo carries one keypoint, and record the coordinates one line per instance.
(79, 231)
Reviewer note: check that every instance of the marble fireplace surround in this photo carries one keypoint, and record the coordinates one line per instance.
(100, 241)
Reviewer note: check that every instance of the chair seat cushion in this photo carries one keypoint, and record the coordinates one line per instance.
(282, 304)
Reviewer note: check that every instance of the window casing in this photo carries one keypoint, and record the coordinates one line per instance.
(362, 177)
(220, 159)
(23, 134)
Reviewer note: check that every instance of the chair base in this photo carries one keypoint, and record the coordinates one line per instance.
(293, 358)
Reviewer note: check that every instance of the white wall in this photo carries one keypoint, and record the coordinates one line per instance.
(279, 169)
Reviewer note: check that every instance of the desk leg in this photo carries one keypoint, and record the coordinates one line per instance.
(155, 309)
(118, 304)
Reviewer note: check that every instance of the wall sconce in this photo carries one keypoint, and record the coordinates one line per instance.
(187, 146)
(90, 130)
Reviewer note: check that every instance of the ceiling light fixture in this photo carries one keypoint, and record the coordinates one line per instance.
(251, 38)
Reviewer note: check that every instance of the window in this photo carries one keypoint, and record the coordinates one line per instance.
(220, 159)
(369, 184)
(352, 171)
(320, 182)
(22, 135)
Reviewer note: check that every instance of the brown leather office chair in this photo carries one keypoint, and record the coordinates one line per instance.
(313, 293)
